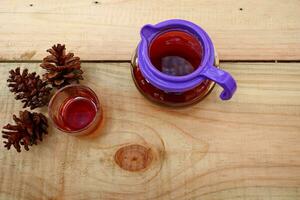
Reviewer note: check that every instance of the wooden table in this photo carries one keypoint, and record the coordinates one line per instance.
(245, 148)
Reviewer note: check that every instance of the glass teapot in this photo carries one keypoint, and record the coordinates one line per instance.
(175, 64)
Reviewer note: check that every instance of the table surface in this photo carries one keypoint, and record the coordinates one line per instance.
(243, 149)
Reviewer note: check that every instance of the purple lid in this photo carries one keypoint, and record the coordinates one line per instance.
(206, 70)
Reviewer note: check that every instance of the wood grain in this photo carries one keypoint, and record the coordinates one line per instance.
(243, 149)
(109, 29)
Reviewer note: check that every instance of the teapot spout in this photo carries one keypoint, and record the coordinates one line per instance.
(148, 31)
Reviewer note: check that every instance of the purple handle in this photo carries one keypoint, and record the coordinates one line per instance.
(224, 79)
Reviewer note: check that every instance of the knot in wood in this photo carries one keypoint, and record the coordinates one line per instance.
(134, 157)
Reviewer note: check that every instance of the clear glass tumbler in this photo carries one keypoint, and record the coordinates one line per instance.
(75, 110)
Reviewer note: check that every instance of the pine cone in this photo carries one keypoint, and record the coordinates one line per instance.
(63, 69)
(29, 128)
(29, 88)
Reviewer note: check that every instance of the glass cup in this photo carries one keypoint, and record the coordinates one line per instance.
(75, 110)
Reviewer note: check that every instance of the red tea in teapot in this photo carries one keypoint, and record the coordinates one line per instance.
(176, 53)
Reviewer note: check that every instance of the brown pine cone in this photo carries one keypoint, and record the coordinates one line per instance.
(29, 88)
(63, 69)
(29, 128)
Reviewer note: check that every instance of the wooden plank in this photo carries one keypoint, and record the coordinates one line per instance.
(109, 30)
(245, 148)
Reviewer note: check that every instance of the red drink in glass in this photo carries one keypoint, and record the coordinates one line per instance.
(75, 109)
